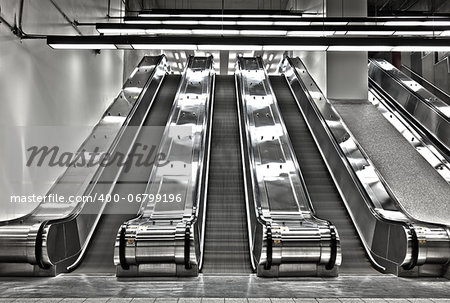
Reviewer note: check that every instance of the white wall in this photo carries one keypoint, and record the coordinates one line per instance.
(41, 86)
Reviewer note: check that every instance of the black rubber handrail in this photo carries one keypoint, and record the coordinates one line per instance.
(187, 246)
(333, 246)
(269, 241)
(415, 250)
(122, 245)
(38, 247)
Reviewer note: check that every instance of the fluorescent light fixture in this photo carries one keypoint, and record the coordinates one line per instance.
(255, 16)
(271, 16)
(212, 47)
(155, 15)
(219, 22)
(180, 22)
(417, 23)
(254, 22)
(169, 31)
(215, 32)
(120, 31)
(263, 33)
(190, 16)
(309, 33)
(143, 22)
(357, 48)
(305, 33)
(230, 47)
(330, 23)
(224, 16)
(416, 33)
(217, 16)
(295, 47)
(166, 46)
(82, 46)
(288, 23)
(362, 23)
(421, 49)
(369, 33)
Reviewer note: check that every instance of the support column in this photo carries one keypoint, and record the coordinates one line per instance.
(346, 72)
(224, 59)
(340, 75)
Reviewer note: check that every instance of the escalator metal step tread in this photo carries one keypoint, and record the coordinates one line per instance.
(226, 242)
(99, 257)
(322, 190)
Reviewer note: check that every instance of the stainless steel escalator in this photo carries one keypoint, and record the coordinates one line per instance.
(324, 195)
(287, 238)
(386, 185)
(226, 244)
(435, 90)
(224, 223)
(167, 236)
(99, 258)
(419, 107)
(56, 235)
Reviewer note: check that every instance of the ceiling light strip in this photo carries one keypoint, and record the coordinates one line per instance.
(393, 43)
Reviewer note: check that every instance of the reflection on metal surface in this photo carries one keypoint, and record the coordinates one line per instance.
(414, 101)
(55, 234)
(421, 144)
(395, 242)
(286, 239)
(167, 237)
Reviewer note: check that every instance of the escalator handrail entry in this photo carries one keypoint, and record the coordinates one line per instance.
(333, 245)
(187, 246)
(122, 244)
(415, 249)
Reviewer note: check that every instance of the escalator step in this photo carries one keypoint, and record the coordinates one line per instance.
(226, 239)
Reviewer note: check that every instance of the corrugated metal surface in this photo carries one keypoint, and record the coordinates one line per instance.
(226, 244)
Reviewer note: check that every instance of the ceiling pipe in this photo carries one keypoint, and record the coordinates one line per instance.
(16, 29)
(73, 23)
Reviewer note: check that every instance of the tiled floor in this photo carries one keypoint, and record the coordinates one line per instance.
(225, 300)
(205, 289)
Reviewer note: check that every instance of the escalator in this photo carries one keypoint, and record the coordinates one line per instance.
(441, 94)
(423, 111)
(322, 190)
(368, 158)
(99, 257)
(166, 238)
(226, 243)
(55, 236)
